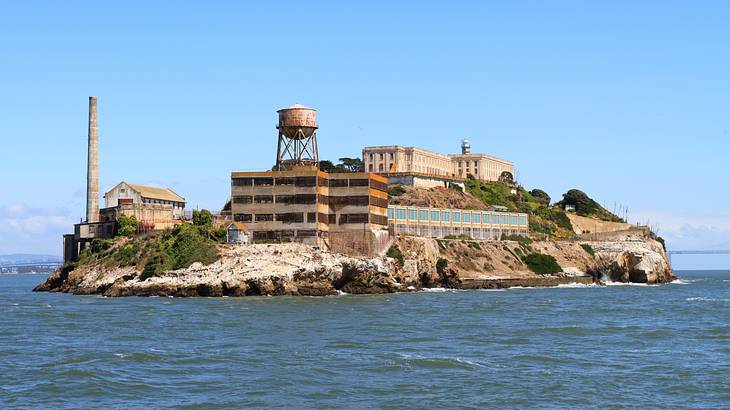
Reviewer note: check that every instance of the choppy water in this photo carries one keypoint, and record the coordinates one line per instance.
(618, 346)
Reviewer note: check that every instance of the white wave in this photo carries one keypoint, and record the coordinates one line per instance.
(680, 282)
(575, 285)
(341, 293)
(435, 289)
(704, 299)
(120, 355)
(627, 284)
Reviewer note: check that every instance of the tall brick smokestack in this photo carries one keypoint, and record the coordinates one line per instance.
(92, 170)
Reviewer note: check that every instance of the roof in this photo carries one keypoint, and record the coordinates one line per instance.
(297, 107)
(239, 225)
(165, 194)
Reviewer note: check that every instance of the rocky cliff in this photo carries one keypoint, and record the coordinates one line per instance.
(296, 269)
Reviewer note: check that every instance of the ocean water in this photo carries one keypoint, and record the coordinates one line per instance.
(589, 347)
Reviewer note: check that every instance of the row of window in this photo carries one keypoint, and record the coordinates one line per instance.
(308, 181)
(469, 217)
(442, 231)
(311, 217)
(311, 199)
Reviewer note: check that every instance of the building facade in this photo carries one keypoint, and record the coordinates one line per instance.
(338, 211)
(439, 222)
(126, 193)
(395, 159)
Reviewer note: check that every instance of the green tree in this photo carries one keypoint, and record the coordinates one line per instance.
(127, 225)
(202, 217)
(351, 164)
(327, 166)
(540, 196)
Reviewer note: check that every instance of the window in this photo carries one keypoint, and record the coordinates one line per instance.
(311, 217)
(390, 213)
(353, 218)
(380, 168)
(400, 214)
(242, 217)
(505, 219)
(242, 199)
(263, 199)
(305, 181)
(263, 181)
(285, 181)
(242, 181)
(467, 217)
(412, 214)
(423, 215)
(477, 218)
(338, 183)
(293, 217)
(264, 217)
(435, 216)
(456, 216)
(391, 156)
(445, 216)
(514, 220)
(359, 182)
(370, 168)
(495, 219)
(371, 157)
(381, 156)
(523, 220)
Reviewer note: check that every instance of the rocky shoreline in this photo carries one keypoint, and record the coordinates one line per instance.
(300, 270)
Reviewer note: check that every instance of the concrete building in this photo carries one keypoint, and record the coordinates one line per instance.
(344, 212)
(126, 194)
(438, 222)
(397, 161)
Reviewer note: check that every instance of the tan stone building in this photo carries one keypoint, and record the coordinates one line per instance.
(126, 193)
(344, 212)
(395, 159)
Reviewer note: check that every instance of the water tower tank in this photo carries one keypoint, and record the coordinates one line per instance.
(297, 137)
(297, 121)
(465, 146)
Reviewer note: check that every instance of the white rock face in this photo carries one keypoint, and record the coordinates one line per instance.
(634, 259)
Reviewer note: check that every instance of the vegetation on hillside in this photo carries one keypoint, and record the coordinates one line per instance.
(544, 219)
(542, 264)
(155, 252)
(586, 206)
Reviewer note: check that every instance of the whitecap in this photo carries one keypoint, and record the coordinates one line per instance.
(576, 285)
(341, 293)
(680, 282)
(120, 355)
(435, 289)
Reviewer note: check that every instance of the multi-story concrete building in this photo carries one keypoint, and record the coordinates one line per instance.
(438, 222)
(339, 211)
(395, 160)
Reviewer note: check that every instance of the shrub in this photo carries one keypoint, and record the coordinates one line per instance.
(99, 245)
(661, 241)
(396, 190)
(127, 255)
(521, 239)
(127, 225)
(542, 264)
(540, 196)
(455, 187)
(586, 206)
(202, 217)
(588, 248)
(395, 253)
(441, 265)
(488, 267)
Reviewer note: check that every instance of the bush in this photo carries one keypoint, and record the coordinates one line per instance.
(127, 255)
(540, 196)
(521, 239)
(542, 264)
(99, 245)
(441, 265)
(661, 241)
(396, 190)
(127, 225)
(588, 248)
(395, 253)
(202, 217)
(455, 187)
(586, 206)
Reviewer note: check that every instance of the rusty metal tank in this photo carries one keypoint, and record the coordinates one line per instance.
(297, 121)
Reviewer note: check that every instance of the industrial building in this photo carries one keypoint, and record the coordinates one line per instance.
(155, 208)
(344, 212)
(431, 168)
(438, 222)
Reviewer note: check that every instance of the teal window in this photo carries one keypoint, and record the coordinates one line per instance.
(456, 216)
(467, 217)
(523, 220)
(495, 219)
(445, 216)
(390, 213)
(477, 218)
(412, 214)
(505, 219)
(400, 214)
(514, 220)
(435, 216)
(423, 215)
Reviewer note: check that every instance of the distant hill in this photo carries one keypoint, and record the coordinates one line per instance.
(18, 258)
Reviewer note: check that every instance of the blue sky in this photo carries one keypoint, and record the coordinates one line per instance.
(627, 100)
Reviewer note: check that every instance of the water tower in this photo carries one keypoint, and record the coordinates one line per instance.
(297, 137)
(465, 147)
